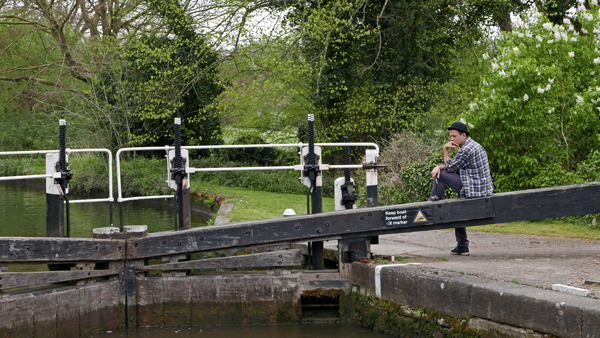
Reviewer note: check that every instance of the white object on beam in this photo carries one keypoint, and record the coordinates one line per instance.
(289, 212)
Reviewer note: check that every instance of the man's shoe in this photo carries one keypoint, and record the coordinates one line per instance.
(460, 251)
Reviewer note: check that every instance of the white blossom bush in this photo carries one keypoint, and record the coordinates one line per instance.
(539, 107)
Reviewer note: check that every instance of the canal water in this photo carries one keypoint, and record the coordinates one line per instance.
(280, 331)
(22, 214)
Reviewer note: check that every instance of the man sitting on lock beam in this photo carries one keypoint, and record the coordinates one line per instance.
(468, 173)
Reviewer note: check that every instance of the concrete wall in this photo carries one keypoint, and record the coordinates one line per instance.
(71, 311)
(429, 293)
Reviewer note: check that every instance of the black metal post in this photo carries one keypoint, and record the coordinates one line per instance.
(357, 249)
(121, 216)
(178, 173)
(349, 195)
(312, 169)
(65, 174)
(346, 151)
(111, 213)
(55, 215)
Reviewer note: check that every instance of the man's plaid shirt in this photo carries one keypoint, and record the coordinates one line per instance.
(471, 163)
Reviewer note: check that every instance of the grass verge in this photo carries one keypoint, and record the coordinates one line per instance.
(251, 205)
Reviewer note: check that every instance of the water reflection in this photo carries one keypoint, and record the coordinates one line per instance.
(23, 213)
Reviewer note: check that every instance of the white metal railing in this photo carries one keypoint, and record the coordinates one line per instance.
(120, 197)
(68, 151)
(25, 177)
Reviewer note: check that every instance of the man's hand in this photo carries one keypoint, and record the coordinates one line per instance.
(435, 173)
(450, 145)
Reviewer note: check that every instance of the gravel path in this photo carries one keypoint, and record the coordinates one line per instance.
(529, 260)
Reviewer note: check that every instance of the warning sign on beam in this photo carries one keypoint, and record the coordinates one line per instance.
(408, 216)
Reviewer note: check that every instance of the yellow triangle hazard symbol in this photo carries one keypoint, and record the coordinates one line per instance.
(420, 217)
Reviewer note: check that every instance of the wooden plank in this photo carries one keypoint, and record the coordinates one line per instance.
(149, 301)
(11, 280)
(266, 259)
(259, 299)
(44, 314)
(204, 300)
(23, 249)
(286, 290)
(4, 317)
(122, 278)
(55, 215)
(68, 303)
(525, 205)
(109, 303)
(20, 310)
(176, 301)
(90, 310)
(131, 290)
(448, 211)
(232, 301)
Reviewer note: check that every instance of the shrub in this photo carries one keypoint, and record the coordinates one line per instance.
(90, 172)
(279, 181)
(538, 113)
(415, 182)
(259, 156)
(144, 176)
(16, 166)
(410, 157)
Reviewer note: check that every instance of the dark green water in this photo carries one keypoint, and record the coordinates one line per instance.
(23, 213)
(281, 331)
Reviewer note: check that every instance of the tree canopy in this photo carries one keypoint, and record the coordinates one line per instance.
(118, 71)
(539, 107)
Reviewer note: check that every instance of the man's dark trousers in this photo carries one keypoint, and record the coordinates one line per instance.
(453, 181)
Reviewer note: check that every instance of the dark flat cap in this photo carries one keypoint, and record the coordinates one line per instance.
(460, 127)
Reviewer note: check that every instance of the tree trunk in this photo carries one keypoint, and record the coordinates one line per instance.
(505, 23)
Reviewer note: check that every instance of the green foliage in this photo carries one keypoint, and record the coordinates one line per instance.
(30, 110)
(589, 169)
(15, 166)
(556, 10)
(279, 181)
(144, 176)
(366, 69)
(268, 93)
(117, 71)
(166, 73)
(90, 172)
(538, 112)
(410, 157)
(260, 156)
(381, 64)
